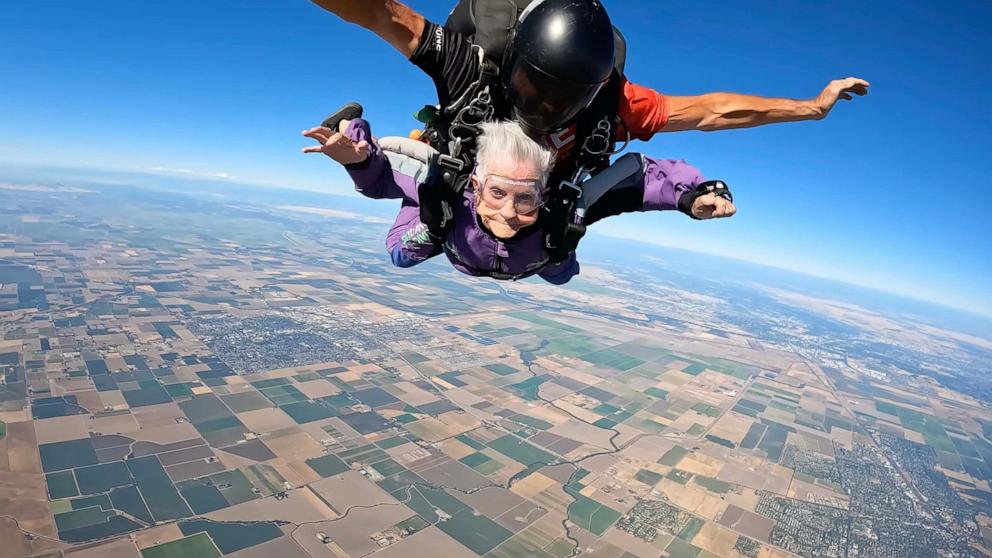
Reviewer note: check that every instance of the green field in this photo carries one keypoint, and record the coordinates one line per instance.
(179, 390)
(235, 486)
(721, 441)
(694, 369)
(520, 451)
(196, 546)
(247, 401)
(266, 478)
(160, 495)
(328, 465)
(657, 393)
(202, 498)
(101, 478)
(232, 537)
(525, 544)
(308, 411)
(690, 531)
(527, 389)
(679, 476)
(649, 478)
(81, 518)
(612, 359)
(477, 532)
(590, 514)
(713, 485)
(3, 430)
(673, 456)
(708, 410)
(127, 499)
(541, 321)
(678, 548)
(531, 421)
(66, 455)
(61, 485)
(388, 467)
(501, 369)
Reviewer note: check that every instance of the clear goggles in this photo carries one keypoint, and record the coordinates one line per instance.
(527, 195)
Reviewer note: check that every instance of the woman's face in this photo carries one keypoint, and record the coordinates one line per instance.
(508, 198)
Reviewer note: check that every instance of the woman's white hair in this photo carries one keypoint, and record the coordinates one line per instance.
(507, 141)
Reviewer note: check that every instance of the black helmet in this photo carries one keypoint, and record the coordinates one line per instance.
(561, 54)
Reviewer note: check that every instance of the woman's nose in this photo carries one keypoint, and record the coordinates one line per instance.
(508, 211)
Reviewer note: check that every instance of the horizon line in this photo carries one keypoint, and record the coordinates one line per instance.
(217, 179)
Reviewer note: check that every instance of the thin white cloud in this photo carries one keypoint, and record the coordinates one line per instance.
(187, 172)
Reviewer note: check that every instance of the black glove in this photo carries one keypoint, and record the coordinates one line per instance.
(717, 187)
(350, 111)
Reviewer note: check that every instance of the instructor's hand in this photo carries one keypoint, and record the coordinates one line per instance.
(839, 89)
(712, 206)
(337, 146)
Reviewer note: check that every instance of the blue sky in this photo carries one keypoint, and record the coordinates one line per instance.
(889, 191)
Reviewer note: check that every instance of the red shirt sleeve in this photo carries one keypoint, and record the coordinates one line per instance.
(643, 110)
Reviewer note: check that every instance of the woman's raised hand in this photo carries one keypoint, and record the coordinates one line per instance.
(337, 146)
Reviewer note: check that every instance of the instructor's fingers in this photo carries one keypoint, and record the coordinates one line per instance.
(323, 130)
(337, 138)
(314, 149)
(319, 134)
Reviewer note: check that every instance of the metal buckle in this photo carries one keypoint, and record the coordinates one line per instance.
(573, 186)
(451, 163)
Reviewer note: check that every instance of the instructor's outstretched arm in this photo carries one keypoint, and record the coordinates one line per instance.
(393, 21)
(723, 111)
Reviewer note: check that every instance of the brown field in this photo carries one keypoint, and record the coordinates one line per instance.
(455, 449)
(119, 548)
(428, 543)
(414, 395)
(317, 388)
(296, 473)
(351, 533)
(629, 543)
(700, 464)
(491, 502)
(157, 415)
(293, 444)
(263, 421)
(114, 399)
(157, 535)
(521, 517)
(166, 434)
(589, 434)
(302, 506)
(90, 400)
(531, 485)
(732, 427)
(61, 429)
(454, 474)
(649, 450)
(751, 524)
(22, 448)
(282, 547)
(716, 539)
(113, 424)
(350, 489)
(24, 496)
(445, 426)
(692, 498)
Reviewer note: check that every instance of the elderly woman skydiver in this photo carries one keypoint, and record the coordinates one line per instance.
(495, 229)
